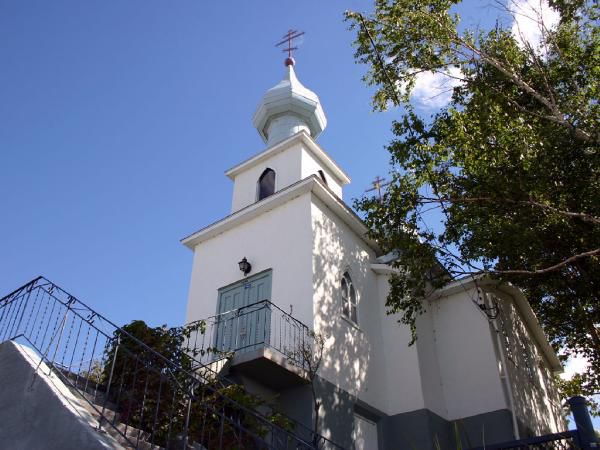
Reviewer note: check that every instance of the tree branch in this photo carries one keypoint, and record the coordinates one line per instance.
(531, 202)
(557, 266)
(556, 115)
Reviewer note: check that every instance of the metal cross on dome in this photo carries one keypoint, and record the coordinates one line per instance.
(378, 185)
(287, 39)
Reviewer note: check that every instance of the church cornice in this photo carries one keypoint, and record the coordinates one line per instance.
(311, 146)
(310, 184)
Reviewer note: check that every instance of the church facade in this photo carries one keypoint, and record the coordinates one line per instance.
(292, 261)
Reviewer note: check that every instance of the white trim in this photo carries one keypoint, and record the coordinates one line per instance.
(311, 146)
(310, 184)
(343, 211)
(384, 269)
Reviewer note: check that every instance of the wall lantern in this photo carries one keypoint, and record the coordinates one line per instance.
(245, 266)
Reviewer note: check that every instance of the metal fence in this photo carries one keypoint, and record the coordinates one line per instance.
(259, 325)
(583, 437)
(139, 394)
(568, 440)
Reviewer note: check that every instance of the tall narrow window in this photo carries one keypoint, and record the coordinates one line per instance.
(266, 184)
(348, 298)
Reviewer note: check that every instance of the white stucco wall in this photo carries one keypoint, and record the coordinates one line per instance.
(311, 166)
(429, 363)
(401, 365)
(353, 357)
(536, 400)
(455, 369)
(468, 365)
(279, 239)
(294, 163)
(287, 166)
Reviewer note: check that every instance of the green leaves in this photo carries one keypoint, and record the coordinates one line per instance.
(505, 179)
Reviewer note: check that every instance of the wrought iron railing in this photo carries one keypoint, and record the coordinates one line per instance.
(259, 325)
(158, 401)
(567, 440)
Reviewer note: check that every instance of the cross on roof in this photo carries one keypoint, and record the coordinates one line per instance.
(288, 38)
(378, 185)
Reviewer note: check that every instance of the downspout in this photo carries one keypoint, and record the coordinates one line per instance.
(506, 379)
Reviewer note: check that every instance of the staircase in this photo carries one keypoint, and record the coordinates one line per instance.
(139, 398)
(95, 401)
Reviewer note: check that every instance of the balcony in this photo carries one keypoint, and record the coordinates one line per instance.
(259, 340)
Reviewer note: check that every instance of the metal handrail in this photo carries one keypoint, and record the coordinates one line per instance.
(212, 324)
(566, 440)
(278, 320)
(40, 305)
(253, 305)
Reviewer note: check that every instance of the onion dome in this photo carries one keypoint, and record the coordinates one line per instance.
(288, 108)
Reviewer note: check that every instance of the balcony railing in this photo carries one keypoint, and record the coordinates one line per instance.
(167, 403)
(259, 325)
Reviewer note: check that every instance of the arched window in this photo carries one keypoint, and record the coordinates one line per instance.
(322, 175)
(348, 298)
(266, 184)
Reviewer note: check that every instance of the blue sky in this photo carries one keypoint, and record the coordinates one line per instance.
(118, 119)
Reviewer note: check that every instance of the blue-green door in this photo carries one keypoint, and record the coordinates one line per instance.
(243, 318)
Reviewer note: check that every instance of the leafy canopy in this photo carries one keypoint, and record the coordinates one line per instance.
(503, 180)
(159, 388)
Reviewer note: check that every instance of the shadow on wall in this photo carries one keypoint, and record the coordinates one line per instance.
(351, 350)
(536, 402)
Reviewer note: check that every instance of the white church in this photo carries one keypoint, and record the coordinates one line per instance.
(293, 258)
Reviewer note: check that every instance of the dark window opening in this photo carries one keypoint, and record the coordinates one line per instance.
(266, 184)
(349, 305)
(322, 174)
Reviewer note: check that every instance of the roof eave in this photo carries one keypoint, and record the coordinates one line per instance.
(312, 183)
(335, 169)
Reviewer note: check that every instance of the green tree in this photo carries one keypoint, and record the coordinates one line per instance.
(149, 383)
(156, 390)
(505, 179)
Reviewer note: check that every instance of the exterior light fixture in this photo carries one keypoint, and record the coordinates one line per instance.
(245, 266)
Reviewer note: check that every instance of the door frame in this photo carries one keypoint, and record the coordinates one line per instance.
(242, 281)
(237, 285)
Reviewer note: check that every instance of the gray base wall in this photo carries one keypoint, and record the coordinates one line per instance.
(419, 430)
(297, 403)
(423, 429)
(336, 410)
(337, 413)
(415, 430)
(489, 428)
